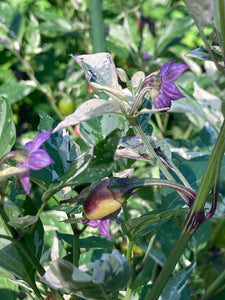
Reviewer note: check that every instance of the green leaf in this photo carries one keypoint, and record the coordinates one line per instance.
(6, 13)
(15, 91)
(174, 29)
(6, 42)
(90, 167)
(94, 130)
(132, 147)
(8, 289)
(176, 284)
(55, 24)
(145, 275)
(202, 53)
(136, 227)
(89, 110)
(96, 242)
(23, 222)
(46, 122)
(11, 171)
(99, 68)
(89, 242)
(201, 11)
(205, 105)
(120, 35)
(193, 169)
(104, 279)
(201, 237)
(219, 11)
(33, 36)
(26, 217)
(13, 261)
(7, 127)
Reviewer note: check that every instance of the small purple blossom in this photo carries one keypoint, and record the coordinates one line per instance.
(168, 90)
(145, 56)
(102, 224)
(34, 159)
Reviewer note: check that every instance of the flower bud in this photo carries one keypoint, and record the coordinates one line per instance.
(102, 202)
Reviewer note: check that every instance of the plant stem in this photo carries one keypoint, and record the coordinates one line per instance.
(130, 251)
(193, 220)
(216, 182)
(201, 31)
(150, 244)
(129, 290)
(209, 174)
(214, 286)
(156, 158)
(151, 151)
(30, 256)
(169, 266)
(76, 246)
(142, 182)
(6, 237)
(76, 249)
(130, 259)
(97, 26)
(180, 175)
(219, 10)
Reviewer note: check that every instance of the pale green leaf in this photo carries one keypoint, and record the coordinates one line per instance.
(89, 110)
(7, 127)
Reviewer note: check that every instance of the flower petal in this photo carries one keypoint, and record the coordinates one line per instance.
(171, 91)
(37, 141)
(162, 101)
(164, 69)
(91, 223)
(38, 160)
(103, 228)
(172, 72)
(25, 181)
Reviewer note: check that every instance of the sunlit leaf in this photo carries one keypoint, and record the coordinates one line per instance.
(89, 110)
(145, 224)
(89, 242)
(99, 68)
(219, 7)
(7, 127)
(132, 147)
(23, 222)
(8, 290)
(15, 91)
(201, 11)
(176, 284)
(13, 261)
(10, 171)
(92, 166)
(175, 29)
(103, 281)
(202, 103)
(203, 54)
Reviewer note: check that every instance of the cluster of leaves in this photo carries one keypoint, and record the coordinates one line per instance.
(40, 84)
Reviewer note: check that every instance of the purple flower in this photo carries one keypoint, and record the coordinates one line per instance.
(34, 159)
(145, 56)
(161, 87)
(167, 89)
(102, 224)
